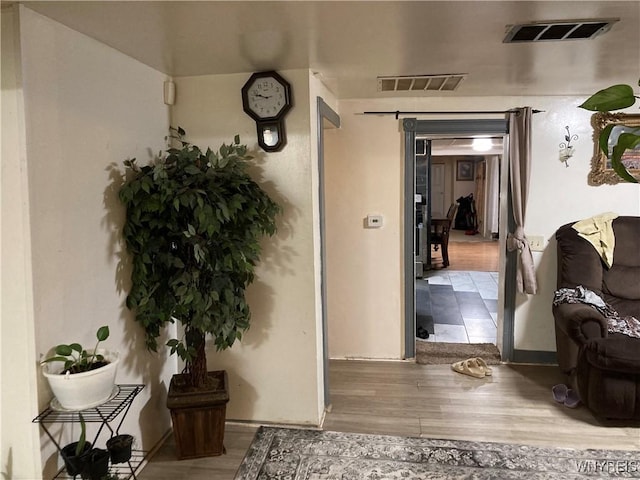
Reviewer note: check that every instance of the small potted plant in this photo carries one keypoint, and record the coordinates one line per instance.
(74, 453)
(96, 464)
(86, 378)
(119, 448)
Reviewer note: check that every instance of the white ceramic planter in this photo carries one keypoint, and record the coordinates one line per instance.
(80, 391)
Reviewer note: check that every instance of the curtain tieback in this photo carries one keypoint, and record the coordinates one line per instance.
(517, 240)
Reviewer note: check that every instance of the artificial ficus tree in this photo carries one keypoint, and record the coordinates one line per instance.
(194, 221)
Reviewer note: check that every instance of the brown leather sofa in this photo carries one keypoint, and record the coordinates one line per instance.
(604, 368)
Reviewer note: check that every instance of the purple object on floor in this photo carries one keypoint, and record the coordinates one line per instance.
(572, 400)
(565, 395)
(559, 392)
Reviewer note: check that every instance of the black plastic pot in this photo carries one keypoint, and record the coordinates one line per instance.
(74, 464)
(96, 465)
(120, 448)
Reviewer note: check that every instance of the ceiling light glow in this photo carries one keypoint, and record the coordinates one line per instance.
(482, 144)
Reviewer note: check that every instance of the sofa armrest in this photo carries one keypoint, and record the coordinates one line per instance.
(580, 322)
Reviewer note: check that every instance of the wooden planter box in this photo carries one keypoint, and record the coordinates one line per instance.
(199, 416)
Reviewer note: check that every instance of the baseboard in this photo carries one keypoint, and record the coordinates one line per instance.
(538, 357)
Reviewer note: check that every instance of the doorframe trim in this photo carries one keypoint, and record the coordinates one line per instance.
(324, 112)
(437, 129)
(409, 127)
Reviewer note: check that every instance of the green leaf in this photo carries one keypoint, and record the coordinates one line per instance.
(131, 302)
(181, 290)
(177, 262)
(55, 359)
(603, 140)
(103, 333)
(64, 350)
(625, 141)
(198, 253)
(611, 98)
(83, 436)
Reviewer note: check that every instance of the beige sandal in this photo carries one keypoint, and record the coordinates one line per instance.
(484, 366)
(469, 367)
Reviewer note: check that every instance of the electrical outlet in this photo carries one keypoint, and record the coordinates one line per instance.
(536, 242)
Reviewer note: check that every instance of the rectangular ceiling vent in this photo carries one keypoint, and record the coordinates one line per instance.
(429, 83)
(557, 30)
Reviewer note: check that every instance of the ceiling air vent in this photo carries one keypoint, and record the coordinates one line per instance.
(558, 30)
(429, 83)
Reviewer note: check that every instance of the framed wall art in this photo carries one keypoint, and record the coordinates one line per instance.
(464, 170)
(601, 171)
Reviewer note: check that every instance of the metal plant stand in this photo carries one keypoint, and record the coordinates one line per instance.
(105, 414)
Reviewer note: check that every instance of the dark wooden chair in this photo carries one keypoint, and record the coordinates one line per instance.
(439, 237)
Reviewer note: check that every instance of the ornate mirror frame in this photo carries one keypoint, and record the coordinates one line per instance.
(601, 171)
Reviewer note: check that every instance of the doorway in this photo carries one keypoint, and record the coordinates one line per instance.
(432, 130)
(457, 299)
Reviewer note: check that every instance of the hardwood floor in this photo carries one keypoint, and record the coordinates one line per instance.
(164, 466)
(514, 405)
(468, 252)
(470, 256)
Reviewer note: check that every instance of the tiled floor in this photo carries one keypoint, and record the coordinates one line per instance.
(463, 306)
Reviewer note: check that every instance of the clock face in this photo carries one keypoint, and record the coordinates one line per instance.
(266, 96)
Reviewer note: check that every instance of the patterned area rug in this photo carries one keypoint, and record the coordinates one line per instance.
(439, 353)
(279, 454)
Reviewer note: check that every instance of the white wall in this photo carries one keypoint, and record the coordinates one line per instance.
(20, 458)
(364, 173)
(88, 107)
(273, 372)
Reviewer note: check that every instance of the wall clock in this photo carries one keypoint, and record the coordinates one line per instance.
(266, 97)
